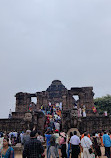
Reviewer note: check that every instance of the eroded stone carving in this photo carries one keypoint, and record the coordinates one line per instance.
(28, 117)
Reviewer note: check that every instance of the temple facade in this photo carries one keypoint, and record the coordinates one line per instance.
(28, 114)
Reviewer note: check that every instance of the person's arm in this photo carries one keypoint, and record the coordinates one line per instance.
(81, 148)
(11, 153)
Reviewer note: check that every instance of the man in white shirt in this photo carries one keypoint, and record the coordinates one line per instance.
(86, 145)
(74, 144)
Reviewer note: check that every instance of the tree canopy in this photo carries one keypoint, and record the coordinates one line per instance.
(103, 104)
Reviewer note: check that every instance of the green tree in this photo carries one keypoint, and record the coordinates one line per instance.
(103, 104)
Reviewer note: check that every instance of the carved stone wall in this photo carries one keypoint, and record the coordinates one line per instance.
(56, 93)
(12, 124)
(90, 123)
(19, 124)
(93, 124)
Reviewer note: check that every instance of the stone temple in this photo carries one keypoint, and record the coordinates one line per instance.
(27, 114)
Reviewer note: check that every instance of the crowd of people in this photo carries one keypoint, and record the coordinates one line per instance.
(57, 142)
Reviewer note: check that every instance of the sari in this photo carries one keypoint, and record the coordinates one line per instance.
(9, 153)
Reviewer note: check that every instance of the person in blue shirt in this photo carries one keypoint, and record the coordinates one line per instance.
(47, 137)
(107, 144)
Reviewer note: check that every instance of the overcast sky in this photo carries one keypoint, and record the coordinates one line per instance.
(44, 40)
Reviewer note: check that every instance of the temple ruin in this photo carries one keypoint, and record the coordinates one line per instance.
(28, 115)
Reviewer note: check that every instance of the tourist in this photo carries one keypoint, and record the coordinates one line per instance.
(68, 150)
(56, 134)
(107, 144)
(6, 151)
(13, 140)
(51, 110)
(101, 139)
(47, 138)
(10, 134)
(62, 143)
(53, 146)
(74, 145)
(18, 137)
(96, 144)
(21, 137)
(10, 114)
(26, 136)
(15, 134)
(86, 144)
(46, 125)
(52, 124)
(33, 148)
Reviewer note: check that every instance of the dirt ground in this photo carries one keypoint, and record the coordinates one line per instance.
(102, 149)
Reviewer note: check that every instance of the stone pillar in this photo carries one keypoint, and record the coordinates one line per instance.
(23, 101)
(86, 98)
(39, 100)
(44, 99)
(64, 102)
(70, 101)
(82, 99)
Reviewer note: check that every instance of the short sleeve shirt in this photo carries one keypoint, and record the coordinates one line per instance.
(75, 140)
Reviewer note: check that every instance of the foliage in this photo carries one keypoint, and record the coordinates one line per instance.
(103, 104)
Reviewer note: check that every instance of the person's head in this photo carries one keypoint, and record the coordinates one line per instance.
(101, 135)
(28, 132)
(93, 134)
(33, 134)
(5, 142)
(85, 133)
(71, 134)
(105, 132)
(48, 132)
(39, 133)
(108, 133)
(75, 132)
(1, 134)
